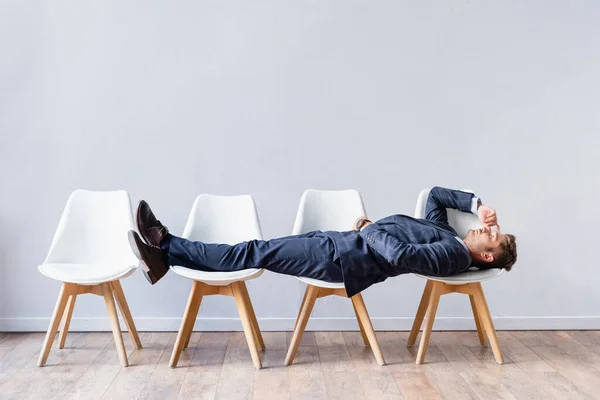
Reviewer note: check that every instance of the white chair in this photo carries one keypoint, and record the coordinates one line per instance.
(330, 210)
(467, 283)
(228, 220)
(90, 253)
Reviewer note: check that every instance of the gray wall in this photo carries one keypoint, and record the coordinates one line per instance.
(171, 99)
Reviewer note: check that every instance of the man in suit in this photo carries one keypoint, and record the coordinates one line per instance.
(368, 254)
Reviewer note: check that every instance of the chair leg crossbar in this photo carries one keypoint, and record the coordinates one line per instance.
(237, 290)
(364, 322)
(428, 307)
(64, 310)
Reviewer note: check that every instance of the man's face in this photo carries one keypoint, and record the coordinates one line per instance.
(485, 240)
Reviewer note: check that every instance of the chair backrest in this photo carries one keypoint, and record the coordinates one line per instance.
(460, 221)
(93, 230)
(223, 219)
(328, 210)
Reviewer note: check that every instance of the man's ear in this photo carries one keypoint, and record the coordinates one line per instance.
(487, 257)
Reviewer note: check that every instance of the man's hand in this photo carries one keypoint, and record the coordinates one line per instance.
(487, 216)
(360, 223)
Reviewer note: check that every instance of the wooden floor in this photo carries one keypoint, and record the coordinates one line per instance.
(329, 365)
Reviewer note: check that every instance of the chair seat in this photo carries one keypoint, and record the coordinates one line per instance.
(470, 276)
(86, 274)
(217, 278)
(323, 284)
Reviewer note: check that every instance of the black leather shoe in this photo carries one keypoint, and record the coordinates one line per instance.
(149, 227)
(153, 259)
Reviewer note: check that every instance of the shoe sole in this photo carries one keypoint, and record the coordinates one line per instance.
(136, 250)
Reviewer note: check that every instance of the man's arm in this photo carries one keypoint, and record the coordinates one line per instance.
(435, 259)
(440, 199)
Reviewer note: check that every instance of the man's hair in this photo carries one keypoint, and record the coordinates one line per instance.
(505, 256)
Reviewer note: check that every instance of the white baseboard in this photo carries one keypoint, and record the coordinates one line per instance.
(314, 324)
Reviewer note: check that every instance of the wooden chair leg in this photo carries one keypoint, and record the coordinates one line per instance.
(434, 300)
(193, 315)
(59, 309)
(477, 318)
(255, 328)
(124, 307)
(488, 324)
(414, 332)
(114, 322)
(238, 294)
(64, 328)
(312, 292)
(363, 316)
(360, 326)
(189, 317)
(301, 305)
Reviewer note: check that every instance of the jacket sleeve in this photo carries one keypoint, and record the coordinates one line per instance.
(441, 198)
(441, 258)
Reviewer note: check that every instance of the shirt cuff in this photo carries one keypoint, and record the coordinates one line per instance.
(474, 204)
(367, 229)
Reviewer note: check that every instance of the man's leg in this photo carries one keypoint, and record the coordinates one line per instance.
(310, 255)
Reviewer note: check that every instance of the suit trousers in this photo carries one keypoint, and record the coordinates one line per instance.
(310, 255)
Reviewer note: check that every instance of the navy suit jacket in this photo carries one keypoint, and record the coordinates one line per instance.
(400, 244)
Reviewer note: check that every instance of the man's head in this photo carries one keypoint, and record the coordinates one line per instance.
(491, 249)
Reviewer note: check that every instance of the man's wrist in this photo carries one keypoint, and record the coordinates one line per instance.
(364, 225)
(361, 223)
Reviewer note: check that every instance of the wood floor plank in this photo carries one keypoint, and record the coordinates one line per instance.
(376, 381)
(486, 385)
(166, 382)
(552, 383)
(449, 384)
(484, 373)
(30, 379)
(306, 375)
(94, 381)
(415, 386)
(440, 373)
(521, 355)
(398, 356)
(273, 380)
(8, 341)
(509, 375)
(341, 379)
(587, 338)
(436, 378)
(435, 358)
(56, 379)
(308, 339)
(556, 386)
(476, 365)
(237, 375)
(590, 339)
(202, 377)
(576, 350)
(130, 381)
(534, 338)
(455, 349)
(576, 372)
(20, 355)
(539, 365)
